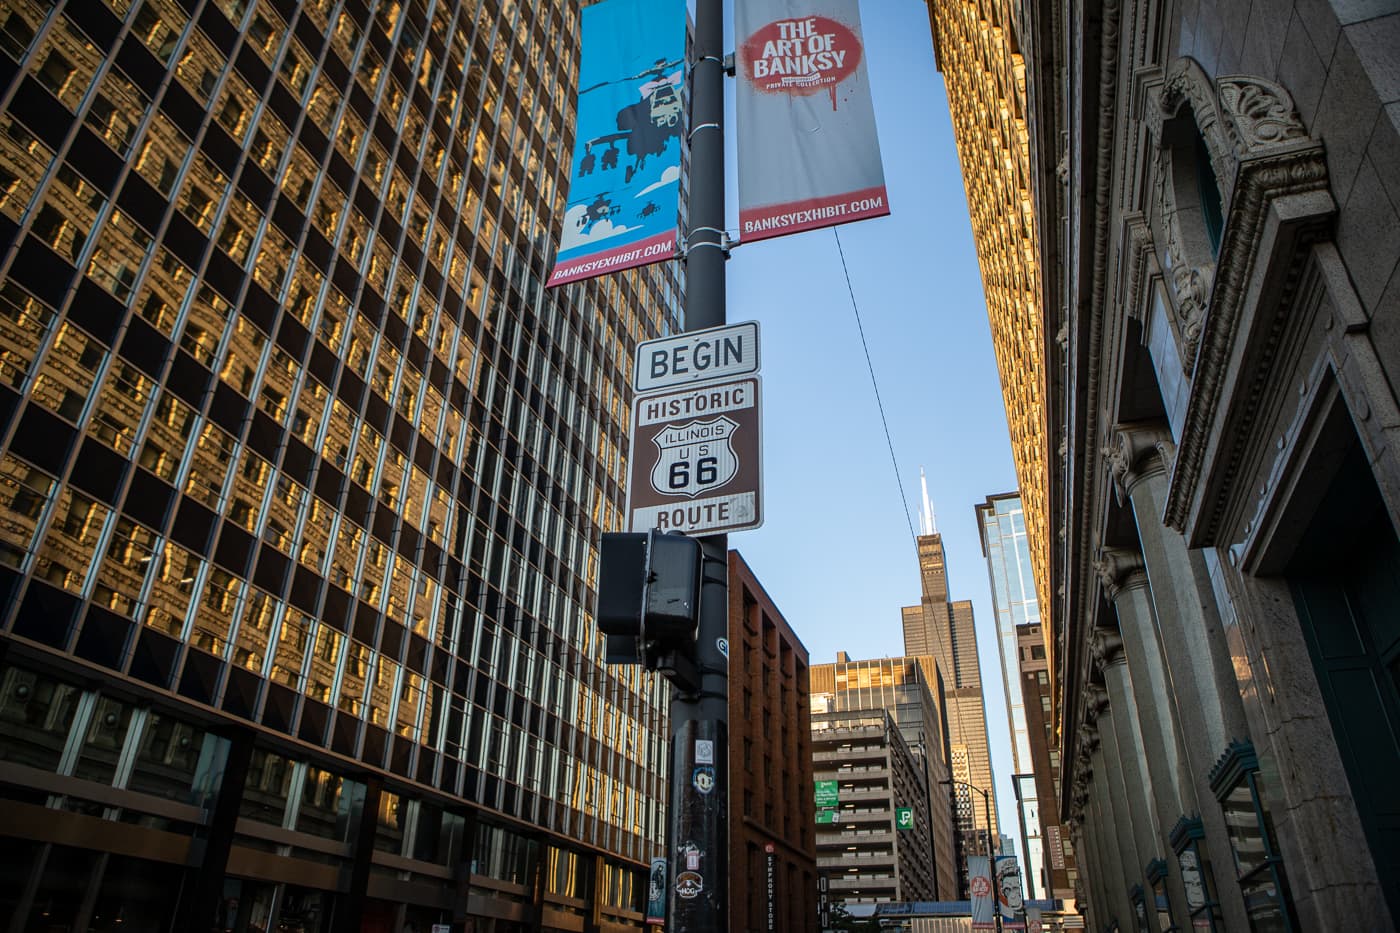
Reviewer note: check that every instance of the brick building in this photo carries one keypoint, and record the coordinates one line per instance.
(770, 766)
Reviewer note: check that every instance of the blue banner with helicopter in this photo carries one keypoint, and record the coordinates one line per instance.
(624, 190)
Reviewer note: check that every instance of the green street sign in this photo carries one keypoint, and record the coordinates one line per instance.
(827, 817)
(826, 795)
(904, 817)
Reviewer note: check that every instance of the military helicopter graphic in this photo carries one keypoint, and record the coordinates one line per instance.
(600, 208)
(645, 126)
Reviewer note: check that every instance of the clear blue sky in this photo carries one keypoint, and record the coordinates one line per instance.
(835, 552)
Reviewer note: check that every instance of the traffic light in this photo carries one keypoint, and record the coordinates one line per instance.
(649, 599)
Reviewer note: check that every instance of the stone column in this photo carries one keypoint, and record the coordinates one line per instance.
(1136, 817)
(1114, 838)
(1200, 672)
(1082, 834)
(1080, 826)
(1125, 584)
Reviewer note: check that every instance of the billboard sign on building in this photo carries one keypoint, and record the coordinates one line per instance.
(826, 793)
(809, 156)
(696, 455)
(624, 187)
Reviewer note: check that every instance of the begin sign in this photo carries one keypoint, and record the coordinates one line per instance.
(695, 464)
(695, 356)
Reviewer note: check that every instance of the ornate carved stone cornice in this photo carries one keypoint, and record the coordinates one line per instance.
(1095, 702)
(1136, 451)
(1274, 159)
(1258, 114)
(1106, 646)
(1077, 510)
(1119, 569)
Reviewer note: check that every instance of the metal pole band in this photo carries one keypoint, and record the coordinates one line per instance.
(694, 246)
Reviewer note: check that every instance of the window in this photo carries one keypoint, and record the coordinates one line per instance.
(158, 25)
(162, 154)
(69, 372)
(24, 491)
(24, 323)
(121, 249)
(116, 110)
(199, 67)
(68, 214)
(1253, 842)
(65, 63)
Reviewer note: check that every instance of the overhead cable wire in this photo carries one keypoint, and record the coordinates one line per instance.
(875, 383)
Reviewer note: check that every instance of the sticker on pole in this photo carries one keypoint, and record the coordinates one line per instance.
(696, 459)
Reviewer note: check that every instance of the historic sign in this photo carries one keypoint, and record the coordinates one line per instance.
(696, 459)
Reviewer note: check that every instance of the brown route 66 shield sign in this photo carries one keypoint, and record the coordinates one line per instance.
(696, 455)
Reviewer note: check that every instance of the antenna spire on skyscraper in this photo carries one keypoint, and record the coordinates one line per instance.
(928, 524)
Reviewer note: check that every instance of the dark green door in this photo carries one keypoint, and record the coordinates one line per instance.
(1346, 584)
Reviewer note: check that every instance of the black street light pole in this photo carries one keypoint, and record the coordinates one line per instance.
(991, 857)
(697, 828)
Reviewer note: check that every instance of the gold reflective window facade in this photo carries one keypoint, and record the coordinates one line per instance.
(290, 429)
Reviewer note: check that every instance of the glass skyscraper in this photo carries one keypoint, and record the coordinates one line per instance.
(302, 474)
(1001, 522)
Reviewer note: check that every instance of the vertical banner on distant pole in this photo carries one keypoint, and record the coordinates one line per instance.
(808, 153)
(625, 185)
(1010, 899)
(656, 892)
(979, 885)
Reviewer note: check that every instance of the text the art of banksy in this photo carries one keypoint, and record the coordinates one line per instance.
(808, 152)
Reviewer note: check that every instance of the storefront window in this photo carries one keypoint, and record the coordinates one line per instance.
(1161, 899)
(168, 758)
(1201, 904)
(106, 732)
(1253, 842)
(328, 802)
(269, 782)
(35, 716)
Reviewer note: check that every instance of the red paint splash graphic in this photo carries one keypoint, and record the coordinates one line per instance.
(801, 56)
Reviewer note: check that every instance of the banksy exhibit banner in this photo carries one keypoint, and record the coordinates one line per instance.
(624, 186)
(808, 153)
(1010, 899)
(979, 886)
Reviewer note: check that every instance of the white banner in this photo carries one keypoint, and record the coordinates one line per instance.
(979, 887)
(808, 153)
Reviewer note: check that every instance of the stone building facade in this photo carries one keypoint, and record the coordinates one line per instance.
(1218, 212)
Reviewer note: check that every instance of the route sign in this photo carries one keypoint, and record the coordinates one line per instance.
(696, 356)
(904, 817)
(696, 459)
